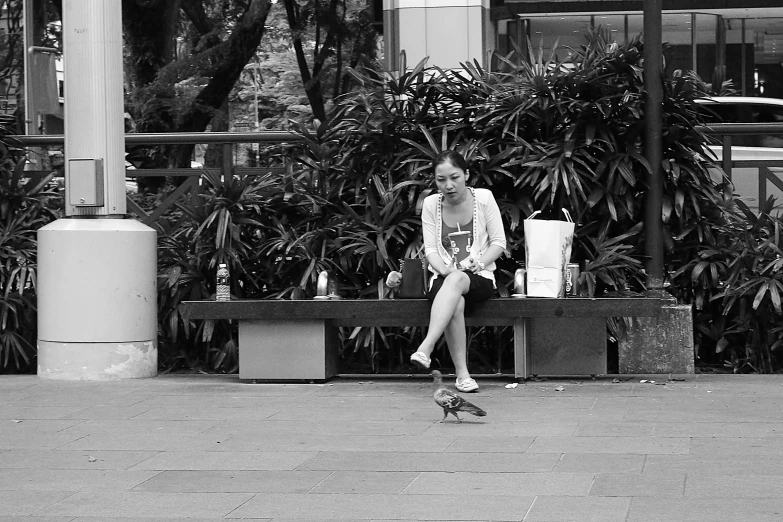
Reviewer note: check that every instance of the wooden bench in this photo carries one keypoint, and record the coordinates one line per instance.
(296, 340)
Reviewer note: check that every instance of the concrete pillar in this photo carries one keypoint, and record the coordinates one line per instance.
(97, 298)
(449, 32)
(94, 108)
(661, 344)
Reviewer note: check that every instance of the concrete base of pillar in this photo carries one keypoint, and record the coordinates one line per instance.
(97, 361)
(659, 345)
(97, 300)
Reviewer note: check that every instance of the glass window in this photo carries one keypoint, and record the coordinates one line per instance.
(567, 32)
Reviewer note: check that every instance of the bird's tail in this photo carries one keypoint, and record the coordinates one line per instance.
(474, 410)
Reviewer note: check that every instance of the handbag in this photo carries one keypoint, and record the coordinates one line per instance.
(547, 254)
(414, 278)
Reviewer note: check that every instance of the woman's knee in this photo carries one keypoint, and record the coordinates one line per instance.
(459, 280)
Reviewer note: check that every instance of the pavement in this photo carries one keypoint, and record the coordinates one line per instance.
(209, 448)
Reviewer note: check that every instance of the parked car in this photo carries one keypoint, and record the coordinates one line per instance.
(760, 156)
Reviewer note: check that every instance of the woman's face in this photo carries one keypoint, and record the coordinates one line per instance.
(451, 181)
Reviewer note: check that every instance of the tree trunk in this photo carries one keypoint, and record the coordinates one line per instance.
(148, 31)
(312, 84)
(240, 47)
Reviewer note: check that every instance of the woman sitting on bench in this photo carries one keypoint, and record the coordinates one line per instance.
(463, 263)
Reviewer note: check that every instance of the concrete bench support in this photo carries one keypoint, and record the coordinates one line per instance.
(568, 346)
(287, 350)
(662, 344)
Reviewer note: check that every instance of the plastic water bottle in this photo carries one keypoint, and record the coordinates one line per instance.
(223, 291)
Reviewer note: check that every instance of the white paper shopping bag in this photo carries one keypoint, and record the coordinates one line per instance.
(547, 253)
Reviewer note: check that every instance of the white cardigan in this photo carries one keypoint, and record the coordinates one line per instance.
(487, 228)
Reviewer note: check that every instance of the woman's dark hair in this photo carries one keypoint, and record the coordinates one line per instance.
(450, 156)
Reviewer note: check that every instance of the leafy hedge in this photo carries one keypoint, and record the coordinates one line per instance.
(25, 206)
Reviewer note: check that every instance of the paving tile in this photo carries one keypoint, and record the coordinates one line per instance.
(348, 414)
(675, 414)
(507, 484)
(726, 509)
(318, 519)
(719, 429)
(194, 403)
(109, 412)
(72, 459)
(233, 481)
(324, 426)
(490, 444)
(90, 396)
(36, 426)
(502, 415)
(578, 509)
(15, 412)
(635, 485)
(211, 413)
(212, 460)
(726, 464)
(143, 504)
(11, 440)
(527, 428)
(18, 382)
(328, 506)
(152, 441)
(324, 442)
(600, 463)
(642, 445)
(447, 462)
(590, 428)
(38, 519)
(141, 426)
(365, 482)
(740, 486)
(31, 479)
(145, 519)
(27, 503)
(770, 446)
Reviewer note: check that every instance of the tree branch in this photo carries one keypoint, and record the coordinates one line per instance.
(241, 46)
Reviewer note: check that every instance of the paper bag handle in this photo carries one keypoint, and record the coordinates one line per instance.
(537, 212)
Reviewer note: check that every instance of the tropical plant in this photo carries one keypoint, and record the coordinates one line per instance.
(25, 206)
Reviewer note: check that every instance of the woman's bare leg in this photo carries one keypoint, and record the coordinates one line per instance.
(456, 339)
(447, 301)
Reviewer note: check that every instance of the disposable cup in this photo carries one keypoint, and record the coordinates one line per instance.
(460, 245)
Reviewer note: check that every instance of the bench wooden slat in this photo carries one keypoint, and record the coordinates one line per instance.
(399, 312)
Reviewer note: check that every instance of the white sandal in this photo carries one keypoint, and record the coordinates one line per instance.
(467, 385)
(421, 360)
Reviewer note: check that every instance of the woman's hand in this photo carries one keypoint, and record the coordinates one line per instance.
(475, 266)
(393, 279)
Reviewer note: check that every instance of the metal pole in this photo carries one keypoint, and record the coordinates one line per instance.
(744, 61)
(27, 10)
(653, 86)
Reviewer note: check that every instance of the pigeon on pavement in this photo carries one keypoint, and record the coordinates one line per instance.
(450, 401)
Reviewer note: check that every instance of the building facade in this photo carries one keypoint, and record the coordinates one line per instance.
(737, 40)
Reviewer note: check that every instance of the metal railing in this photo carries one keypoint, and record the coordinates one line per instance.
(727, 131)
(228, 169)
